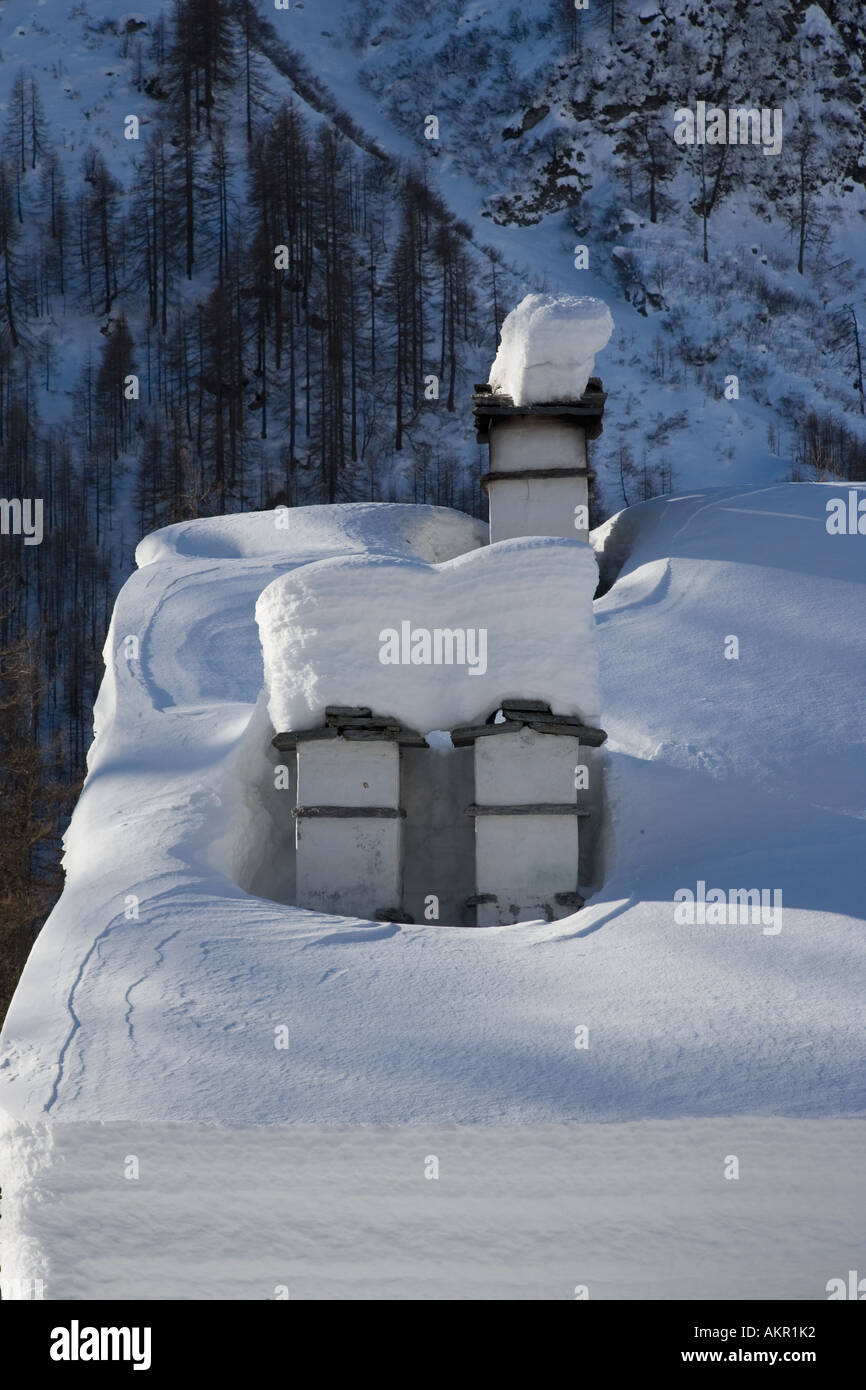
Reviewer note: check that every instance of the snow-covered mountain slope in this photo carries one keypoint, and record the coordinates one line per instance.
(551, 125)
(555, 130)
(154, 990)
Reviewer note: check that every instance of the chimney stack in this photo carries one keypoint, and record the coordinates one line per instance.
(538, 483)
(537, 412)
(349, 814)
(526, 813)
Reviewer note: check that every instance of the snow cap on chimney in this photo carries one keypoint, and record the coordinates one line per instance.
(547, 348)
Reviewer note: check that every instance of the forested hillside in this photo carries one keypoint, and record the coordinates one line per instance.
(735, 262)
(248, 304)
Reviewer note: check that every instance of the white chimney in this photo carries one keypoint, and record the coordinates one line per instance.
(526, 812)
(349, 815)
(537, 413)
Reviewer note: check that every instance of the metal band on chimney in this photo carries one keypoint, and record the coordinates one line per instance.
(388, 812)
(538, 808)
(527, 474)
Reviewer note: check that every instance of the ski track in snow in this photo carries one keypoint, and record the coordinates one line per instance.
(140, 981)
(76, 1021)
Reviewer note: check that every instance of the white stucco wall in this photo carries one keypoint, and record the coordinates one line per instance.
(348, 772)
(537, 507)
(525, 860)
(540, 506)
(536, 441)
(349, 865)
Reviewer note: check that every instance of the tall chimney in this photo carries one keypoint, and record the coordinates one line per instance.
(537, 412)
(538, 483)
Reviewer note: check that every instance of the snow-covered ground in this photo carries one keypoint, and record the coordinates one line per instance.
(154, 993)
(627, 1211)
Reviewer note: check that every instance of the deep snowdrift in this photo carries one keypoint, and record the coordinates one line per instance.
(155, 989)
(367, 630)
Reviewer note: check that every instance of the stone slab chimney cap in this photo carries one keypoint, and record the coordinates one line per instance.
(489, 405)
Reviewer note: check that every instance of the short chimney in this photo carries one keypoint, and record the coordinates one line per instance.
(349, 816)
(526, 812)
